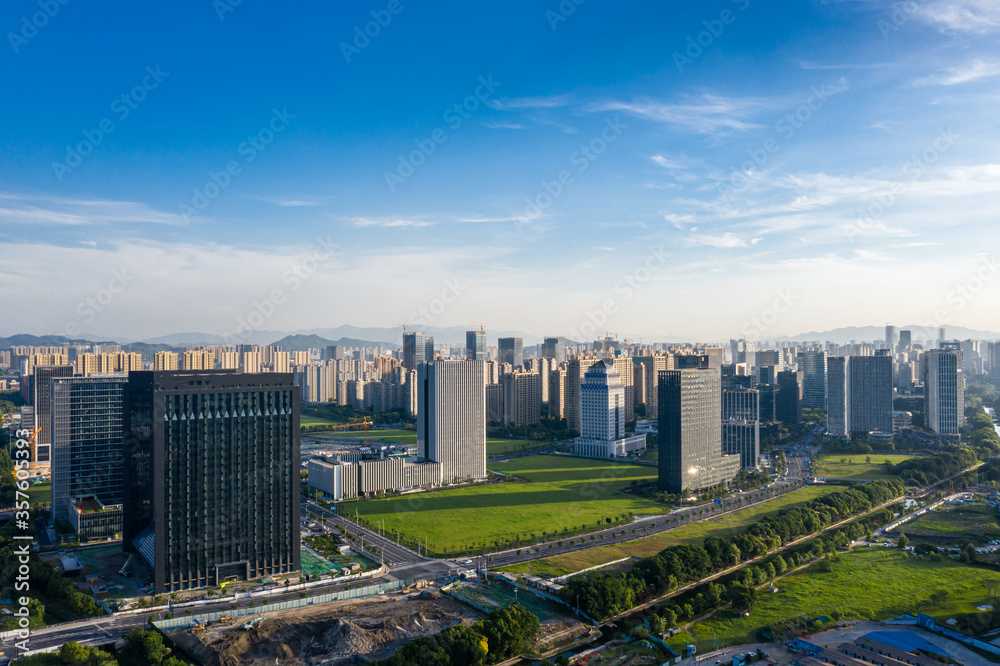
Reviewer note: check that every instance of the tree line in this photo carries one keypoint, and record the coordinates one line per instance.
(605, 595)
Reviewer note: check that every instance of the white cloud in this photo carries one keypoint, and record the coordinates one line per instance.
(726, 240)
(503, 125)
(32, 209)
(707, 114)
(545, 102)
(972, 16)
(972, 71)
(388, 222)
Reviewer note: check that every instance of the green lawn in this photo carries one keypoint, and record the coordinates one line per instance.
(976, 522)
(40, 494)
(869, 584)
(723, 526)
(560, 493)
(497, 446)
(397, 436)
(310, 420)
(855, 465)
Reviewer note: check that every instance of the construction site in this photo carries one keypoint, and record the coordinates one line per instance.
(341, 632)
(373, 627)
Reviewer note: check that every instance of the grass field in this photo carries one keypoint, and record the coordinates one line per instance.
(866, 584)
(976, 522)
(560, 493)
(855, 467)
(40, 494)
(498, 446)
(723, 526)
(310, 420)
(398, 436)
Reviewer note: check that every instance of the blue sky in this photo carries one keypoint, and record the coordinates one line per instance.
(650, 169)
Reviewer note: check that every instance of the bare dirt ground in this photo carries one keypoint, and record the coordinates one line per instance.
(374, 627)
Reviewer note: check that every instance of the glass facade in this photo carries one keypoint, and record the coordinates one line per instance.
(214, 473)
(87, 440)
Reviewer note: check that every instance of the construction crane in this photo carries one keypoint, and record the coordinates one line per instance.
(482, 327)
(403, 325)
(365, 421)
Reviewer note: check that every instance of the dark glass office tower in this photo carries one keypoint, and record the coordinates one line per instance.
(690, 431)
(212, 475)
(788, 402)
(511, 350)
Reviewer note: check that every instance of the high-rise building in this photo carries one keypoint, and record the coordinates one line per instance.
(417, 348)
(451, 423)
(280, 362)
(522, 398)
(654, 365)
(211, 476)
(226, 360)
(41, 454)
(741, 425)
(555, 348)
(87, 453)
(812, 363)
(251, 362)
(769, 357)
(690, 431)
(944, 390)
(905, 340)
(475, 345)
(196, 359)
(890, 337)
(870, 396)
(837, 419)
(511, 350)
(575, 371)
(859, 396)
(603, 415)
(788, 402)
(164, 360)
(336, 352)
(557, 393)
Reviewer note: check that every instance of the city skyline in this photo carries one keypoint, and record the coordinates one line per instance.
(724, 153)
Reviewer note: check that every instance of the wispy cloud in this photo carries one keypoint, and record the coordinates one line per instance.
(666, 163)
(726, 240)
(392, 222)
(707, 114)
(972, 71)
(30, 209)
(545, 102)
(973, 16)
(502, 125)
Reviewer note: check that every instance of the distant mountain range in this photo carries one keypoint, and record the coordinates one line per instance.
(392, 337)
(872, 333)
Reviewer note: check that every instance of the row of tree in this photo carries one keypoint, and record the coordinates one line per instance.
(605, 595)
(925, 470)
(501, 635)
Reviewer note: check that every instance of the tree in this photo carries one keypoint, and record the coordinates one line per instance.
(144, 647)
(902, 541)
(509, 631)
(743, 597)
